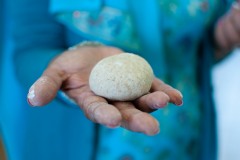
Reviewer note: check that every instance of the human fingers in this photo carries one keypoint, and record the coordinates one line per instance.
(235, 18)
(96, 108)
(152, 101)
(228, 29)
(174, 94)
(45, 88)
(136, 120)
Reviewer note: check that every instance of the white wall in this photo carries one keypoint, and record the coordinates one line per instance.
(226, 80)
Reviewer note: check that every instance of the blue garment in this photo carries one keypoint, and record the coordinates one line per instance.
(1, 58)
(167, 33)
(1, 41)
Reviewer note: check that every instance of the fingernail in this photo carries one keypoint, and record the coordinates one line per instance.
(29, 103)
(113, 126)
(179, 103)
(30, 97)
(159, 105)
(180, 93)
(152, 133)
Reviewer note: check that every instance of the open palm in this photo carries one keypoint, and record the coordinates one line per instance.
(70, 72)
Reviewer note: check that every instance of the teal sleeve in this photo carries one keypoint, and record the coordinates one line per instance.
(1, 39)
(37, 38)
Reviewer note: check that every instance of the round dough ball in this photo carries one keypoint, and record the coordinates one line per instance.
(121, 77)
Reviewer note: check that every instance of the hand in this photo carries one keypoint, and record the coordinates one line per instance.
(227, 32)
(70, 72)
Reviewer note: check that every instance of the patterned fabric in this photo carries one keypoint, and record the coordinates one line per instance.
(106, 25)
(168, 34)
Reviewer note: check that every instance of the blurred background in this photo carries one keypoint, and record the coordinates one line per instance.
(226, 81)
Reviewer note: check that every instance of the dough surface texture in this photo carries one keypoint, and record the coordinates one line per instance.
(122, 77)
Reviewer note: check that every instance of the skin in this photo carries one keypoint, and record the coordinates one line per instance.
(227, 32)
(70, 72)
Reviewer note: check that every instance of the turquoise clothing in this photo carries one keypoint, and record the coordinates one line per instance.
(173, 36)
(1, 41)
(1, 58)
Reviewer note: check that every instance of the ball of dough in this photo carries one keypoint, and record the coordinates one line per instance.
(121, 77)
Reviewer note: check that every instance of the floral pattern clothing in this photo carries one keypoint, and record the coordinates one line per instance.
(168, 34)
(178, 26)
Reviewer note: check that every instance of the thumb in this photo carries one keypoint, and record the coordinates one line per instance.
(45, 88)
